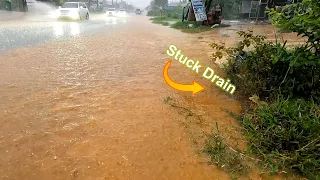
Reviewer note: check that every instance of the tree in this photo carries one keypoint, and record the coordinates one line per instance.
(161, 3)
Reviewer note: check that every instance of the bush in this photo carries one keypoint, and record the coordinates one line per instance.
(303, 18)
(269, 69)
(153, 13)
(286, 133)
(174, 12)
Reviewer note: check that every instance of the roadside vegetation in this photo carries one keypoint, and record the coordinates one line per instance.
(173, 18)
(224, 156)
(280, 86)
(174, 13)
(188, 27)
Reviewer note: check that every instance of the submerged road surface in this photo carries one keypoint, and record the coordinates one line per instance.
(84, 101)
(37, 29)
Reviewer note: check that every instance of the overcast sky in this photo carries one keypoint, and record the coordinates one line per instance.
(139, 3)
(143, 3)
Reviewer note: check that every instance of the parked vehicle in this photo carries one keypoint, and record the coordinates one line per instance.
(111, 12)
(73, 10)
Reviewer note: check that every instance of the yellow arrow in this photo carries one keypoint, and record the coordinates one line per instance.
(194, 88)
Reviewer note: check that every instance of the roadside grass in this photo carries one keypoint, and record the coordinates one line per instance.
(215, 144)
(190, 27)
(194, 27)
(222, 155)
(187, 27)
(163, 20)
(286, 134)
(231, 161)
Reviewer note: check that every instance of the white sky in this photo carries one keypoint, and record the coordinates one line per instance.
(143, 3)
(139, 3)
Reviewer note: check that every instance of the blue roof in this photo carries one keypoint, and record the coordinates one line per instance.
(172, 6)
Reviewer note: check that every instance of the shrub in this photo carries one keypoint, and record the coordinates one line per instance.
(286, 133)
(174, 12)
(270, 69)
(153, 13)
(303, 18)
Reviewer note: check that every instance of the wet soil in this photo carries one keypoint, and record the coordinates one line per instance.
(93, 108)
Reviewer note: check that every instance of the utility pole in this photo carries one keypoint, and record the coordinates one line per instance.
(98, 5)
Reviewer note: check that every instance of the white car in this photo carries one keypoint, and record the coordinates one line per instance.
(73, 10)
(111, 12)
(122, 13)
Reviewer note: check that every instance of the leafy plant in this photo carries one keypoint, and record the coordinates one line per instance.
(258, 66)
(302, 18)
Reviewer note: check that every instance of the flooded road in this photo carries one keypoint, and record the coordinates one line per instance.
(36, 29)
(91, 107)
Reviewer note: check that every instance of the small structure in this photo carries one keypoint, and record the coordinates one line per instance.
(256, 9)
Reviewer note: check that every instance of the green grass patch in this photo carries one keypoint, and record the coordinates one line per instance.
(286, 134)
(188, 27)
(194, 27)
(163, 20)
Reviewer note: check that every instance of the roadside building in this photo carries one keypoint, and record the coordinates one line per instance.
(11, 5)
(8, 5)
(256, 9)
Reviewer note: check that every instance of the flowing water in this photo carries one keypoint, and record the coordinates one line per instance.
(92, 108)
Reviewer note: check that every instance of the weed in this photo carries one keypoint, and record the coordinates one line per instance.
(225, 158)
(185, 111)
(167, 100)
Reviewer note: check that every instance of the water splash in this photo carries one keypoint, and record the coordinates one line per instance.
(40, 8)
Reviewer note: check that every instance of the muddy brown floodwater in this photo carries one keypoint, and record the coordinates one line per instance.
(92, 108)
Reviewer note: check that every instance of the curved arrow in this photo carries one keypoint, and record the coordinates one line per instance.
(194, 88)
